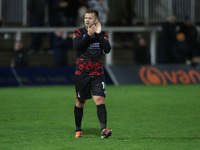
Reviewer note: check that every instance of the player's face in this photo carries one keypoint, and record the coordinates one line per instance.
(89, 19)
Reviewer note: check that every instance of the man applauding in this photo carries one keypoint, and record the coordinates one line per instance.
(90, 44)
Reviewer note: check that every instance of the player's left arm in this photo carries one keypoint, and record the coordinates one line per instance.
(104, 42)
(103, 39)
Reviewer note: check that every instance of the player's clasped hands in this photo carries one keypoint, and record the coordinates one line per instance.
(96, 28)
(92, 30)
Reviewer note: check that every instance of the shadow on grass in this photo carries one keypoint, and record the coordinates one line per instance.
(92, 131)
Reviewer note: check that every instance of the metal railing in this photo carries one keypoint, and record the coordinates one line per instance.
(110, 30)
(156, 11)
(146, 11)
(14, 11)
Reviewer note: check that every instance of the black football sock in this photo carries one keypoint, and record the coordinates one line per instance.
(78, 113)
(102, 115)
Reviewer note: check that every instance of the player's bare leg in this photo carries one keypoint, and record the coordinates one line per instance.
(99, 100)
(102, 115)
(78, 113)
(80, 104)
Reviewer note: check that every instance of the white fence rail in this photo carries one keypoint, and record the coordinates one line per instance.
(109, 58)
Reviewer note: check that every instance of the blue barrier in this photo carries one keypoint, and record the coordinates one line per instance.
(39, 76)
(156, 75)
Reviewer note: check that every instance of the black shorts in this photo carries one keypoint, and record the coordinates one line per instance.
(85, 84)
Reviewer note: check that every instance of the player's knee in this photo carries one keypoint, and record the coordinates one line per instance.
(79, 104)
(99, 100)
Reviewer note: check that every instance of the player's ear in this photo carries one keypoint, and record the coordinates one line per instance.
(96, 21)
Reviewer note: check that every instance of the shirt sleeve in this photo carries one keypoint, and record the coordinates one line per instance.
(80, 40)
(104, 42)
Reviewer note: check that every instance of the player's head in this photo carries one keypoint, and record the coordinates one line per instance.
(91, 17)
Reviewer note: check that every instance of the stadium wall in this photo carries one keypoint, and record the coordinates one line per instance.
(154, 75)
(39, 76)
(118, 75)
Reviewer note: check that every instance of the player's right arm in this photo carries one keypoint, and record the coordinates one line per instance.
(80, 40)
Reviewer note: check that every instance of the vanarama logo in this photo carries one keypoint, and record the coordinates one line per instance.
(151, 75)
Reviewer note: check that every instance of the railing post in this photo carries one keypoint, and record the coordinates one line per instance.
(18, 36)
(0, 8)
(146, 11)
(109, 57)
(170, 6)
(192, 9)
(153, 47)
(24, 19)
(46, 13)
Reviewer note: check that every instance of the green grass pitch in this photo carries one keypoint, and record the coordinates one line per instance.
(141, 117)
